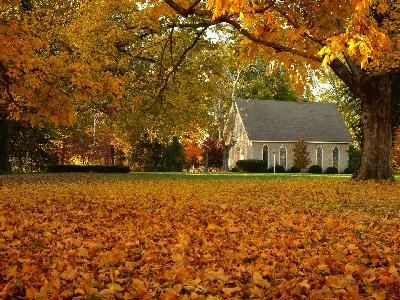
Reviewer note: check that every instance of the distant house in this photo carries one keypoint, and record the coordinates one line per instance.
(256, 129)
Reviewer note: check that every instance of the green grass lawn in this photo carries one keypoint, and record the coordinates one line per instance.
(187, 176)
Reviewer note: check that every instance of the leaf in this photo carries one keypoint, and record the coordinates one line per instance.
(259, 280)
(229, 291)
(212, 226)
(382, 8)
(305, 284)
(323, 268)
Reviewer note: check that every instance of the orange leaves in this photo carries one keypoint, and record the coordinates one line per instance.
(111, 237)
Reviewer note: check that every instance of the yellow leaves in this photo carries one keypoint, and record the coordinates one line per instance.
(360, 4)
(360, 227)
(140, 288)
(259, 280)
(186, 239)
(213, 226)
(350, 268)
(216, 275)
(326, 53)
(393, 270)
(83, 252)
(305, 284)
(382, 8)
(379, 296)
(230, 291)
(114, 287)
(323, 268)
(352, 247)
(111, 258)
(70, 273)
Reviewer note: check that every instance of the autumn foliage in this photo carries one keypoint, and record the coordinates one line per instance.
(133, 238)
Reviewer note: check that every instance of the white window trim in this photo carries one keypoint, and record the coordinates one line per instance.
(322, 158)
(285, 155)
(338, 156)
(262, 153)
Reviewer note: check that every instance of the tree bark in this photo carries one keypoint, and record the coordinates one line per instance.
(376, 160)
(5, 166)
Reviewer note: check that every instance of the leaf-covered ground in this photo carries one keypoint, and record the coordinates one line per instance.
(123, 237)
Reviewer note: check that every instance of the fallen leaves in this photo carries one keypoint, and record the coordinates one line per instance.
(118, 237)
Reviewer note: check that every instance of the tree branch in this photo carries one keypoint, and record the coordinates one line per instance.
(179, 62)
(277, 47)
(226, 19)
(343, 72)
(7, 82)
(297, 26)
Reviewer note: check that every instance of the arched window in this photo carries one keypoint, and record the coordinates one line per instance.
(265, 153)
(319, 154)
(335, 157)
(282, 156)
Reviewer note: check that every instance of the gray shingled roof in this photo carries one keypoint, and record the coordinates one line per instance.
(268, 120)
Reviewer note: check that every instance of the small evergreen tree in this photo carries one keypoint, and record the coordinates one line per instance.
(396, 151)
(301, 156)
(354, 159)
(175, 156)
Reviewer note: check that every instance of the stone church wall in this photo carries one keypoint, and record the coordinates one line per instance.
(257, 153)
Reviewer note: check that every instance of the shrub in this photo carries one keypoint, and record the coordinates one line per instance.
(87, 168)
(315, 169)
(354, 159)
(278, 169)
(348, 171)
(294, 169)
(332, 170)
(234, 170)
(252, 166)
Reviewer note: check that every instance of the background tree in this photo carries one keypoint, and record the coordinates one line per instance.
(31, 149)
(148, 154)
(213, 152)
(175, 157)
(193, 153)
(259, 80)
(301, 155)
(334, 90)
(62, 62)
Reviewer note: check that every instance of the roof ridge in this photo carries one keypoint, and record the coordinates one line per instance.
(284, 101)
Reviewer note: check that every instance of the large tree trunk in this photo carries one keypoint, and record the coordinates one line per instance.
(376, 162)
(5, 166)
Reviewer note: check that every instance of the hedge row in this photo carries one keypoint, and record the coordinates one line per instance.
(88, 168)
(261, 166)
(316, 169)
(256, 166)
(252, 166)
